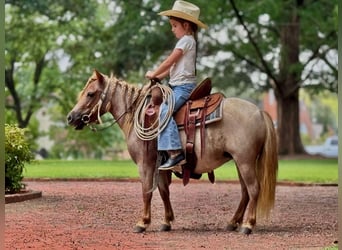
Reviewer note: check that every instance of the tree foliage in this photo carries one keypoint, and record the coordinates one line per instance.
(253, 34)
(32, 51)
(46, 59)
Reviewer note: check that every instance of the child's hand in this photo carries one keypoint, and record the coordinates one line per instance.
(149, 74)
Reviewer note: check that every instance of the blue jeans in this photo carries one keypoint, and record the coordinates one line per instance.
(169, 138)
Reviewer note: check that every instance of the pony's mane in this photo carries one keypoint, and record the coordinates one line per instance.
(130, 91)
(133, 96)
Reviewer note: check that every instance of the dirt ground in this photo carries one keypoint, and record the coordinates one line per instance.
(101, 215)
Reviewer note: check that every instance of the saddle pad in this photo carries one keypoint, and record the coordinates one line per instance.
(215, 108)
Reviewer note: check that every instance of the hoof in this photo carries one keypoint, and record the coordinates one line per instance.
(165, 228)
(139, 229)
(246, 230)
(231, 227)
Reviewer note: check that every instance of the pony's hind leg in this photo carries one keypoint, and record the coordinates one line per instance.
(237, 219)
(248, 175)
(250, 192)
(163, 187)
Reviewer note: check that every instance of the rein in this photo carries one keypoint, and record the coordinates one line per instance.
(113, 122)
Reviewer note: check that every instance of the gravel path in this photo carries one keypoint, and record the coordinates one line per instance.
(101, 215)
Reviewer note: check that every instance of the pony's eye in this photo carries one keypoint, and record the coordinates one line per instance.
(91, 94)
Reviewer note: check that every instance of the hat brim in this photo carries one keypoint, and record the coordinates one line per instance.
(182, 15)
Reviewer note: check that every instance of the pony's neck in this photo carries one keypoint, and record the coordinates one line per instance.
(123, 100)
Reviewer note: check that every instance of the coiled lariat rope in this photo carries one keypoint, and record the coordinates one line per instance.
(152, 131)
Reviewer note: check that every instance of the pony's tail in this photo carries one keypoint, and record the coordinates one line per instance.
(267, 169)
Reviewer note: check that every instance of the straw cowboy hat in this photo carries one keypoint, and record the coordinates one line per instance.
(186, 11)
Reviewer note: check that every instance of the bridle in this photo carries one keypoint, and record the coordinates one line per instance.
(86, 117)
(97, 108)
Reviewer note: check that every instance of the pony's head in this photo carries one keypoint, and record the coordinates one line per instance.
(89, 102)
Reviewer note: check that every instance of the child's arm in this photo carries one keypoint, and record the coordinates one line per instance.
(164, 74)
(165, 66)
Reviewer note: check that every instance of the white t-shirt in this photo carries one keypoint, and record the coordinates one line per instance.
(184, 70)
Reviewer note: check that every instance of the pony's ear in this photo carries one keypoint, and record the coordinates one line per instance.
(98, 75)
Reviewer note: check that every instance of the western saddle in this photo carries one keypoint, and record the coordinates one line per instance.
(189, 117)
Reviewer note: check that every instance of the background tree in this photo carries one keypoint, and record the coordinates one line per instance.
(284, 45)
(47, 62)
(33, 30)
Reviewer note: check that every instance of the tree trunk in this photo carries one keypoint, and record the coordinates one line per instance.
(289, 125)
(10, 84)
(287, 92)
(23, 121)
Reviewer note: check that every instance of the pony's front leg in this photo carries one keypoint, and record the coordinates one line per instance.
(146, 176)
(163, 186)
(145, 220)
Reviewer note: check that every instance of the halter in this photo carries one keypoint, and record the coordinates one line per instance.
(97, 108)
(86, 118)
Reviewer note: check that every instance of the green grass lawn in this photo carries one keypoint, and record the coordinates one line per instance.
(81, 169)
(309, 171)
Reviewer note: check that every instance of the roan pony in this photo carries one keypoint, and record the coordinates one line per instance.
(245, 134)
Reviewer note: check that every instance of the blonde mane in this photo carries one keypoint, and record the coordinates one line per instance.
(133, 96)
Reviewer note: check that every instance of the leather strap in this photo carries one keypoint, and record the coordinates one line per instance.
(211, 177)
(191, 159)
(202, 126)
(191, 133)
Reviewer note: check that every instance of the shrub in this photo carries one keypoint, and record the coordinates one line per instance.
(17, 153)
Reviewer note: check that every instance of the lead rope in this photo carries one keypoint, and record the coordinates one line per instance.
(151, 132)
